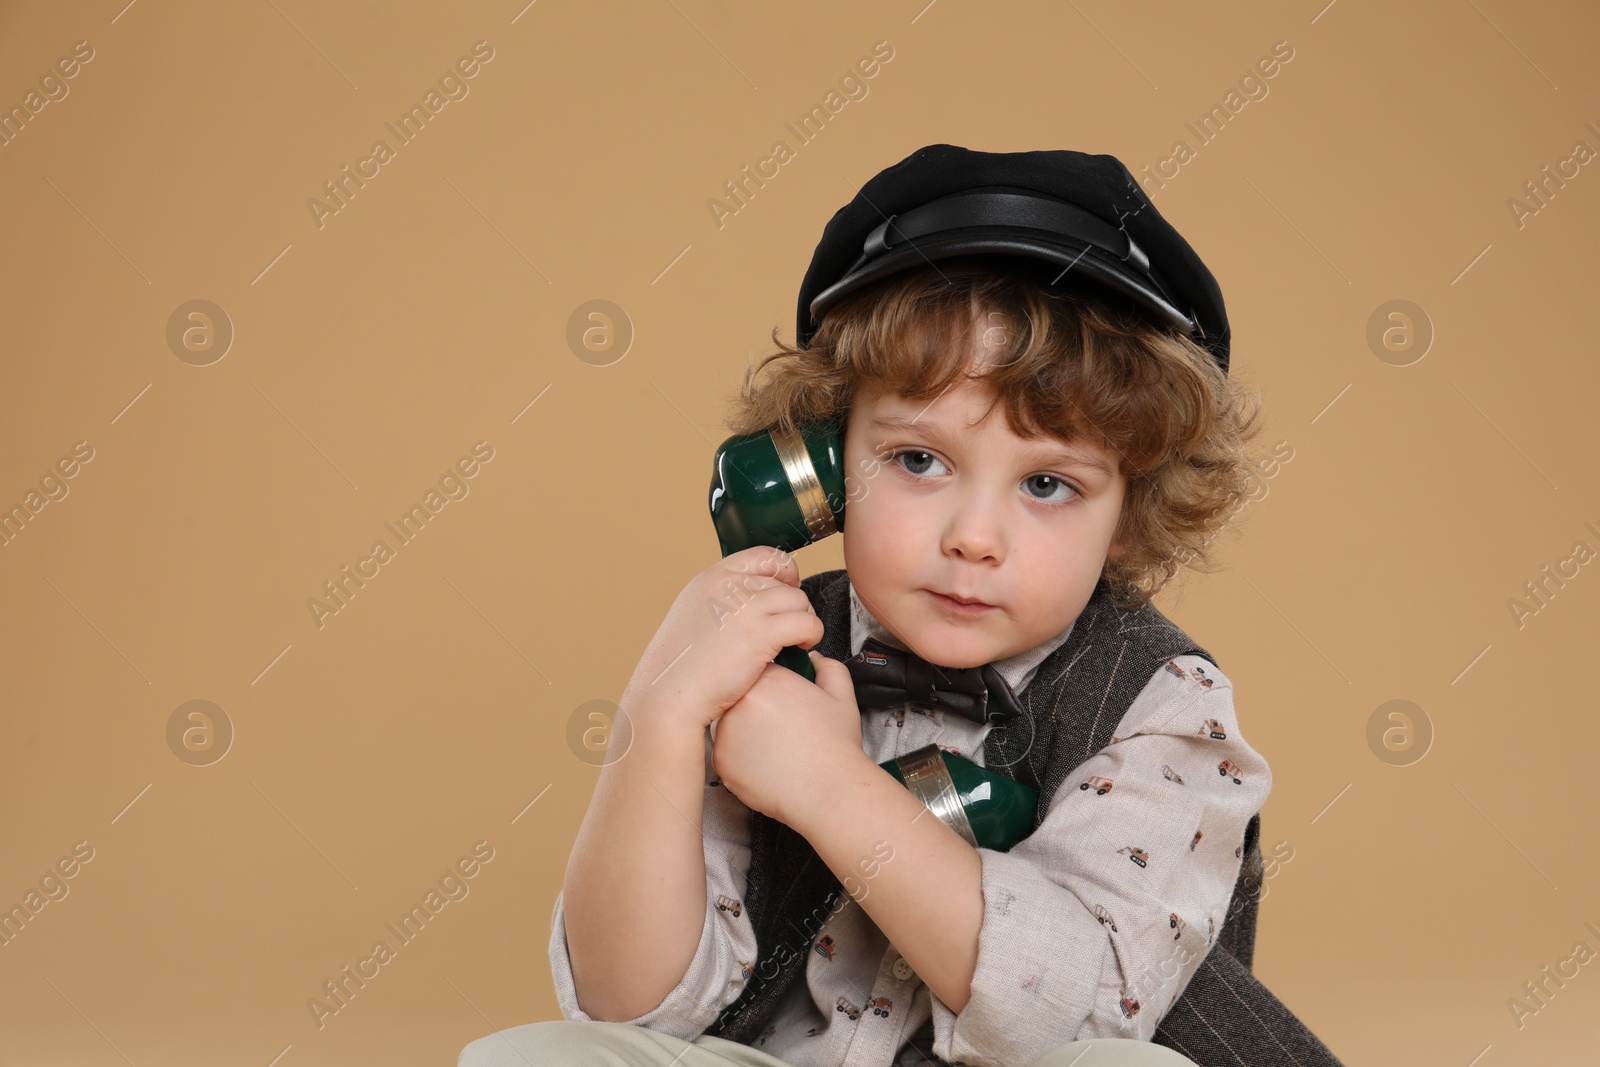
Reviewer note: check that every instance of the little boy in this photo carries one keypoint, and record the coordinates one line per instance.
(1029, 367)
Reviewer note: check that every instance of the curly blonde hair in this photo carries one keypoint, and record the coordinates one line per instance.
(1067, 363)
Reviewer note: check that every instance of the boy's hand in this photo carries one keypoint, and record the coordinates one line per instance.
(725, 627)
(787, 738)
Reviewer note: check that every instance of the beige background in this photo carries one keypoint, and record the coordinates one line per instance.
(371, 353)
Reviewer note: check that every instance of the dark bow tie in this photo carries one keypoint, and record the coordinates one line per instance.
(885, 676)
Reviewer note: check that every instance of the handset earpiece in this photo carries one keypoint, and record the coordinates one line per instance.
(783, 488)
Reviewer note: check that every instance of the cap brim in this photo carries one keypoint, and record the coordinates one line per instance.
(1086, 262)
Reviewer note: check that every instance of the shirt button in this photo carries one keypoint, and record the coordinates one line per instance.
(902, 970)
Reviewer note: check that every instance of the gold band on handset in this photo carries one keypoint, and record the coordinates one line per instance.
(802, 475)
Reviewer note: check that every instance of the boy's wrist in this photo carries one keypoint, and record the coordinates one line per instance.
(649, 733)
(652, 704)
(811, 812)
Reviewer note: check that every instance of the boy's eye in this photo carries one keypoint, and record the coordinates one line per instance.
(919, 455)
(1051, 485)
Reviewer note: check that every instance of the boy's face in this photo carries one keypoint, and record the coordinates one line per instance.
(974, 512)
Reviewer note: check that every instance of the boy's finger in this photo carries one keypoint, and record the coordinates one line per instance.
(768, 562)
(833, 677)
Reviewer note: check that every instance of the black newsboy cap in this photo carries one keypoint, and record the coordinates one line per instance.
(1084, 213)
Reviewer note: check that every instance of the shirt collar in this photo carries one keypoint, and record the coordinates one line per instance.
(1017, 670)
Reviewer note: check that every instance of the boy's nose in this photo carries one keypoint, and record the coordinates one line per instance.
(974, 529)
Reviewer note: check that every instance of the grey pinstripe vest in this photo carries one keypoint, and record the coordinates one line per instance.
(1080, 692)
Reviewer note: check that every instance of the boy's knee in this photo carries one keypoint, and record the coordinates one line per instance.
(556, 1042)
(1113, 1052)
(564, 1042)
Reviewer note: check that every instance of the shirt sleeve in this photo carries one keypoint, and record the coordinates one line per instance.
(726, 954)
(1094, 923)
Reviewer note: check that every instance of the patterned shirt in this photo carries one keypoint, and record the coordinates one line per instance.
(1092, 925)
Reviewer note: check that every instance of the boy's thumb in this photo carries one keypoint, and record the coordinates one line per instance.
(832, 676)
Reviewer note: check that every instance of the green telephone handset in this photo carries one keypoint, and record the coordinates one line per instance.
(780, 489)
(787, 489)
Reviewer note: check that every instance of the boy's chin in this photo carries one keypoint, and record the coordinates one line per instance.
(947, 648)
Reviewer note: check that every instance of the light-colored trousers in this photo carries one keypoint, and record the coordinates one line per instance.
(570, 1043)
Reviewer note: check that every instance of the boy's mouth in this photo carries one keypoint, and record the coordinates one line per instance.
(959, 605)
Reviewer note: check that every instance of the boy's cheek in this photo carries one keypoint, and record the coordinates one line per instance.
(855, 488)
(857, 482)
